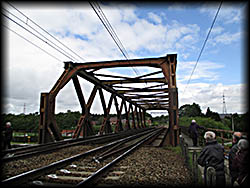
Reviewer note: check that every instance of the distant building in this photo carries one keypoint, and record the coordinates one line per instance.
(67, 132)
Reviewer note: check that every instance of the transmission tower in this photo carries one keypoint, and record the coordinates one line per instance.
(224, 110)
(24, 108)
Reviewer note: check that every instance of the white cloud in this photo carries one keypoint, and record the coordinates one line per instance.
(31, 71)
(229, 12)
(227, 38)
(204, 70)
(210, 95)
(155, 18)
(216, 30)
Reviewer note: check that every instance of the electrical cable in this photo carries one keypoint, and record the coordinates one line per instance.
(112, 29)
(96, 7)
(45, 31)
(36, 35)
(32, 43)
(204, 44)
(39, 33)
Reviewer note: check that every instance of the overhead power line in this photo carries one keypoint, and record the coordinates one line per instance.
(96, 7)
(28, 19)
(40, 34)
(204, 44)
(113, 31)
(36, 36)
(32, 43)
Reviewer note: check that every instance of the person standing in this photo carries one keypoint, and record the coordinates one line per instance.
(212, 155)
(8, 136)
(193, 131)
(232, 153)
(241, 162)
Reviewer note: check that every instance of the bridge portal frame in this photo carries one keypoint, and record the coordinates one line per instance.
(160, 98)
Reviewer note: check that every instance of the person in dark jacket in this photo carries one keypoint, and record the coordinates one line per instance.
(232, 153)
(241, 162)
(8, 135)
(212, 155)
(193, 131)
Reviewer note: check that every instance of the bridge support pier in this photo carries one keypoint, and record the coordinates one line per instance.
(169, 69)
(48, 130)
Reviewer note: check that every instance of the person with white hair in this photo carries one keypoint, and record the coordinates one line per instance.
(193, 131)
(212, 155)
(8, 135)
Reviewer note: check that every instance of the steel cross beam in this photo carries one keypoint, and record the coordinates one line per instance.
(163, 95)
(145, 80)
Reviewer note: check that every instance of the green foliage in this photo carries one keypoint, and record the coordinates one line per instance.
(187, 112)
(213, 115)
(176, 149)
(203, 121)
(243, 125)
(21, 122)
(160, 120)
(67, 120)
(190, 110)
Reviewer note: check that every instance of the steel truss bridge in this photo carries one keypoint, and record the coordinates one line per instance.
(159, 93)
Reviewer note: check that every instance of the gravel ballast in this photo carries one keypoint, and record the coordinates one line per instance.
(147, 166)
(153, 166)
(16, 167)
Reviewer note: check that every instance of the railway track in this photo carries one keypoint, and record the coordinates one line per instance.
(25, 152)
(87, 167)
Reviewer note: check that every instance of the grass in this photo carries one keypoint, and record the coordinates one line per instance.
(23, 143)
(22, 134)
(176, 149)
(190, 163)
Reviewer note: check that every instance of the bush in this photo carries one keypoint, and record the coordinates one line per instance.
(203, 121)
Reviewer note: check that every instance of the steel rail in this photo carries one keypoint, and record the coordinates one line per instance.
(54, 143)
(23, 149)
(51, 148)
(98, 173)
(111, 152)
(24, 177)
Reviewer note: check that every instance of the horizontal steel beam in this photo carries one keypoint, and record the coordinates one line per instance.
(153, 100)
(158, 108)
(145, 80)
(141, 90)
(97, 82)
(149, 62)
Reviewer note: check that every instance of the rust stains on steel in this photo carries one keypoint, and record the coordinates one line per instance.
(161, 93)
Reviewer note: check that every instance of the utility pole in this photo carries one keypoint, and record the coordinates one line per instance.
(232, 123)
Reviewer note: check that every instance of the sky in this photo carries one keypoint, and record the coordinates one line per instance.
(145, 30)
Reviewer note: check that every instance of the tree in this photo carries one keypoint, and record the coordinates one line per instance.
(209, 112)
(243, 125)
(190, 110)
(240, 122)
(213, 115)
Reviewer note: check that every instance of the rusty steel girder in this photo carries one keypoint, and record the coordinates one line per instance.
(162, 94)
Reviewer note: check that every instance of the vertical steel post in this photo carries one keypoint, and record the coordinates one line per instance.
(169, 69)
(133, 116)
(48, 130)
